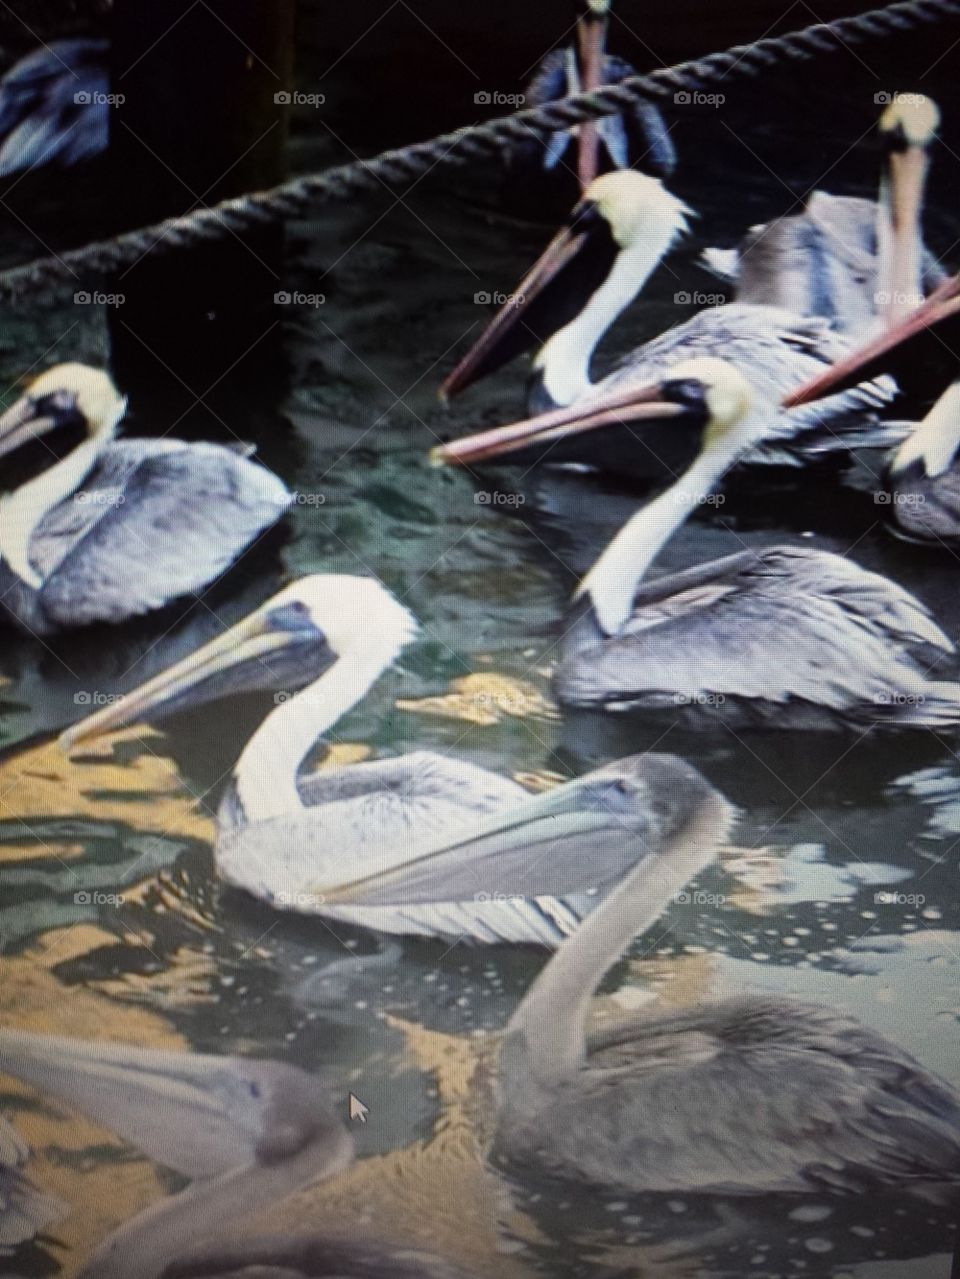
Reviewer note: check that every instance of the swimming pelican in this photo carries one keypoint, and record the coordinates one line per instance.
(849, 259)
(24, 1210)
(54, 106)
(336, 842)
(246, 1132)
(751, 1095)
(601, 260)
(921, 479)
(785, 635)
(118, 527)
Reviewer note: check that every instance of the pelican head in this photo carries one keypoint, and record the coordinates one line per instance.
(594, 267)
(705, 392)
(290, 641)
(66, 395)
(909, 120)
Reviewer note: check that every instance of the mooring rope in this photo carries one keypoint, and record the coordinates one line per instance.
(103, 257)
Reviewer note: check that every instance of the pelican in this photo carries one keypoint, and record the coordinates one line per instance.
(584, 65)
(782, 636)
(118, 527)
(54, 106)
(246, 1132)
(747, 1096)
(844, 257)
(600, 261)
(24, 1210)
(336, 843)
(921, 480)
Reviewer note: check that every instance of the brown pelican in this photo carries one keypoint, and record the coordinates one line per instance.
(843, 257)
(748, 1096)
(599, 262)
(921, 480)
(118, 527)
(584, 65)
(786, 635)
(336, 843)
(54, 106)
(246, 1133)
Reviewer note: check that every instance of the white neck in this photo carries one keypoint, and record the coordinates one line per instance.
(564, 359)
(552, 1018)
(266, 772)
(936, 439)
(613, 580)
(22, 512)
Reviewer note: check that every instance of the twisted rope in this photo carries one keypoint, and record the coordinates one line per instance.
(404, 164)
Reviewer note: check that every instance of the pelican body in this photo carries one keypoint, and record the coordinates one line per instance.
(796, 308)
(786, 636)
(507, 866)
(54, 106)
(747, 1096)
(118, 527)
(921, 480)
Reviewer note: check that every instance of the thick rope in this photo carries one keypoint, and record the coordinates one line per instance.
(102, 258)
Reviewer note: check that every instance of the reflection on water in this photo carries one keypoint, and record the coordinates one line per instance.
(841, 886)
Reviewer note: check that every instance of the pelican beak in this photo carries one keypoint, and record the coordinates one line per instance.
(200, 1115)
(200, 677)
(634, 405)
(872, 358)
(519, 852)
(521, 323)
(21, 423)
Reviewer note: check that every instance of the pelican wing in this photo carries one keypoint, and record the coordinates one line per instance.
(157, 519)
(777, 350)
(749, 1095)
(24, 1211)
(52, 106)
(786, 624)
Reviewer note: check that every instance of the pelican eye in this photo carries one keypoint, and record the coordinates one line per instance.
(688, 391)
(294, 616)
(56, 404)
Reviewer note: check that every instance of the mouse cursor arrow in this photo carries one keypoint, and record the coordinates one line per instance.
(357, 1109)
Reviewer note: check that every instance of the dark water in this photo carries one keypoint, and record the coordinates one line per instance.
(842, 882)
